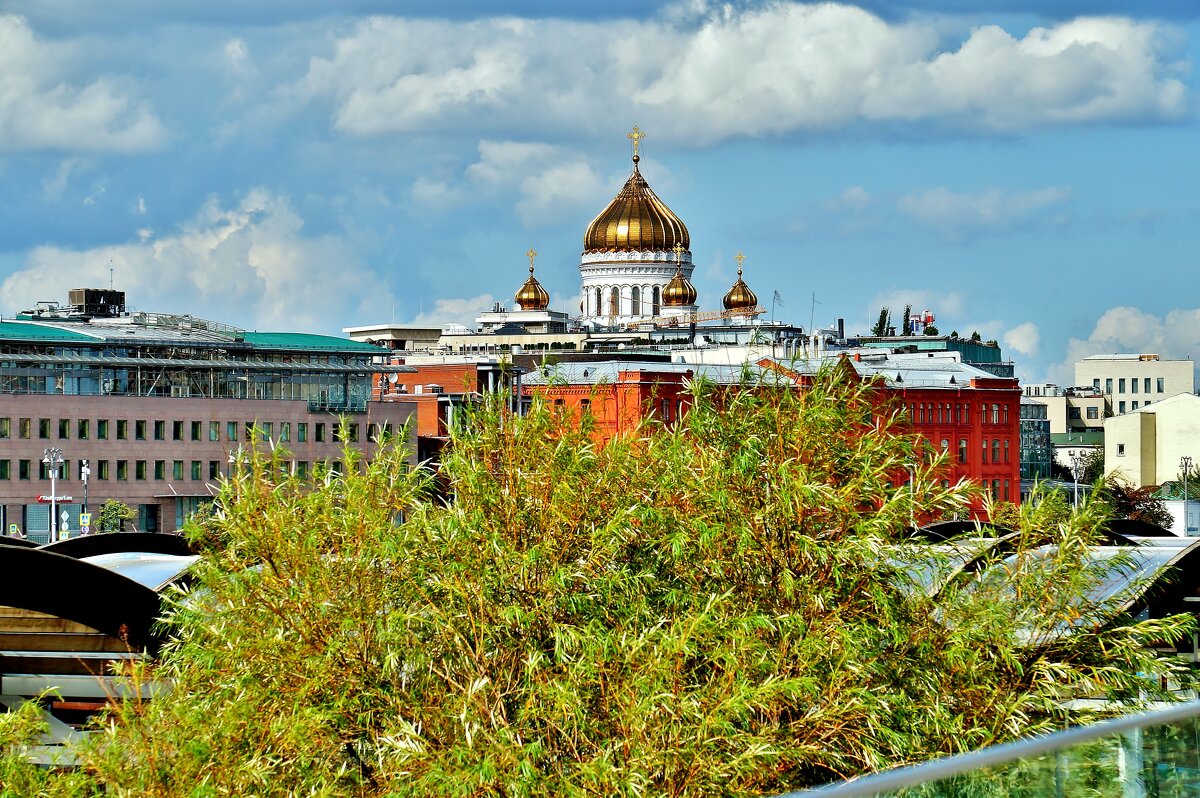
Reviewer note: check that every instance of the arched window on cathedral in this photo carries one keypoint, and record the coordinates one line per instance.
(614, 302)
(656, 296)
(599, 302)
(636, 301)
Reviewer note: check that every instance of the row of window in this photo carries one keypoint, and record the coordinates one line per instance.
(193, 430)
(119, 469)
(960, 413)
(1133, 406)
(1160, 384)
(996, 445)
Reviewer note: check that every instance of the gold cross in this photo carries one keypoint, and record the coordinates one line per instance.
(678, 253)
(531, 255)
(739, 258)
(635, 136)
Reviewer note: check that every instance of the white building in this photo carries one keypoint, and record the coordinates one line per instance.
(1132, 381)
(1145, 446)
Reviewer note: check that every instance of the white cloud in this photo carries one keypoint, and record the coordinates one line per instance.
(248, 264)
(765, 70)
(1023, 338)
(1131, 330)
(41, 108)
(991, 209)
(454, 310)
(552, 183)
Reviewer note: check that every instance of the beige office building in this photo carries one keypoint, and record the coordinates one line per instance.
(1131, 381)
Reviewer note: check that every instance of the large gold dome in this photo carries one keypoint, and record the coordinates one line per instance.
(635, 220)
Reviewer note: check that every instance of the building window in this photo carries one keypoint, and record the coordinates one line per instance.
(302, 468)
(1162, 384)
(599, 302)
(176, 430)
(1146, 385)
(1093, 412)
(5, 469)
(656, 300)
(214, 469)
(1121, 385)
(636, 301)
(1006, 455)
(5, 428)
(962, 450)
(197, 429)
(160, 430)
(614, 302)
(1133, 406)
(102, 469)
(139, 470)
(302, 431)
(1108, 386)
(214, 430)
(102, 429)
(1120, 407)
(196, 466)
(319, 432)
(43, 428)
(248, 430)
(160, 467)
(22, 469)
(122, 469)
(266, 429)
(995, 450)
(1120, 450)
(1006, 490)
(177, 469)
(82, 429)
(1096, 383)
(23, 426)
(64, 428)
(285, 431)
(231, 430)
(1133, 385)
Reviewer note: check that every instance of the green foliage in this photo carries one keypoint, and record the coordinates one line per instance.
(932, 330)
(883, 323)
(1138, 504)
(20, 731)
(719, 607)
(113, 516)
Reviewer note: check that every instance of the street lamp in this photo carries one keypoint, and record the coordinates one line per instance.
(1076, 465)
(53, 458)
(85, 471)
(1185, 464)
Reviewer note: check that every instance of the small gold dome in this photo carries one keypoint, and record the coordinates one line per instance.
(635, 220)
(679, 292)
(532, 296)
(740, 297)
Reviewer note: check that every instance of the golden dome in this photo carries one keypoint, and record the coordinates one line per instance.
(679, 292)
(635, 220)
(532, 296)
(740, 297)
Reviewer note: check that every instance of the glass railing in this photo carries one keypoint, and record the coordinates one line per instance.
(1136, 756)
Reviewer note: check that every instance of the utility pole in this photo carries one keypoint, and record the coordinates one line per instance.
(1185, 464)
(52, 457)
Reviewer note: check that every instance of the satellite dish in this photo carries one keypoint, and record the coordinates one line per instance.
(393, 378)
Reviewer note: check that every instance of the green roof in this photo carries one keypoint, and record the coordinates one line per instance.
(1091, 437)
(31, 331)
(311, 343)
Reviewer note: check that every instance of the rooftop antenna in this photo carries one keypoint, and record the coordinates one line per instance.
(110, 274)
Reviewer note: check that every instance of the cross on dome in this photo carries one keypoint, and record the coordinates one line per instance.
(531, 255)
(635, 135)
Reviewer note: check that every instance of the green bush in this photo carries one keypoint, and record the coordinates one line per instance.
(719, 607)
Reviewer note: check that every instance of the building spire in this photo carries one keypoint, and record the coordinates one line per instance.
(739, 258)
(531, 255)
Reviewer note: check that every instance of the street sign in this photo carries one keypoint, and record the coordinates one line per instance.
(49, 499)
(14, 530)
(85, 519)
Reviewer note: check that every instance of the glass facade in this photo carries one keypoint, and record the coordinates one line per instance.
(1037, 454)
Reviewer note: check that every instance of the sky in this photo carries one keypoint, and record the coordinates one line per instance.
(1022, 168)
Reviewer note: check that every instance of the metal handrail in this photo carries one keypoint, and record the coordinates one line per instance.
(912, 775)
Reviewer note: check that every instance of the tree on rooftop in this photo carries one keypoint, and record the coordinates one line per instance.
(726, 606)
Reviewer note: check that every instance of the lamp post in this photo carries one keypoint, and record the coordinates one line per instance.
(1076, 462)
(1185, 464)
(52, 457)
(85, 471)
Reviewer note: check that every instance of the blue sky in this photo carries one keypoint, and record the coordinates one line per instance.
(1025, 169)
